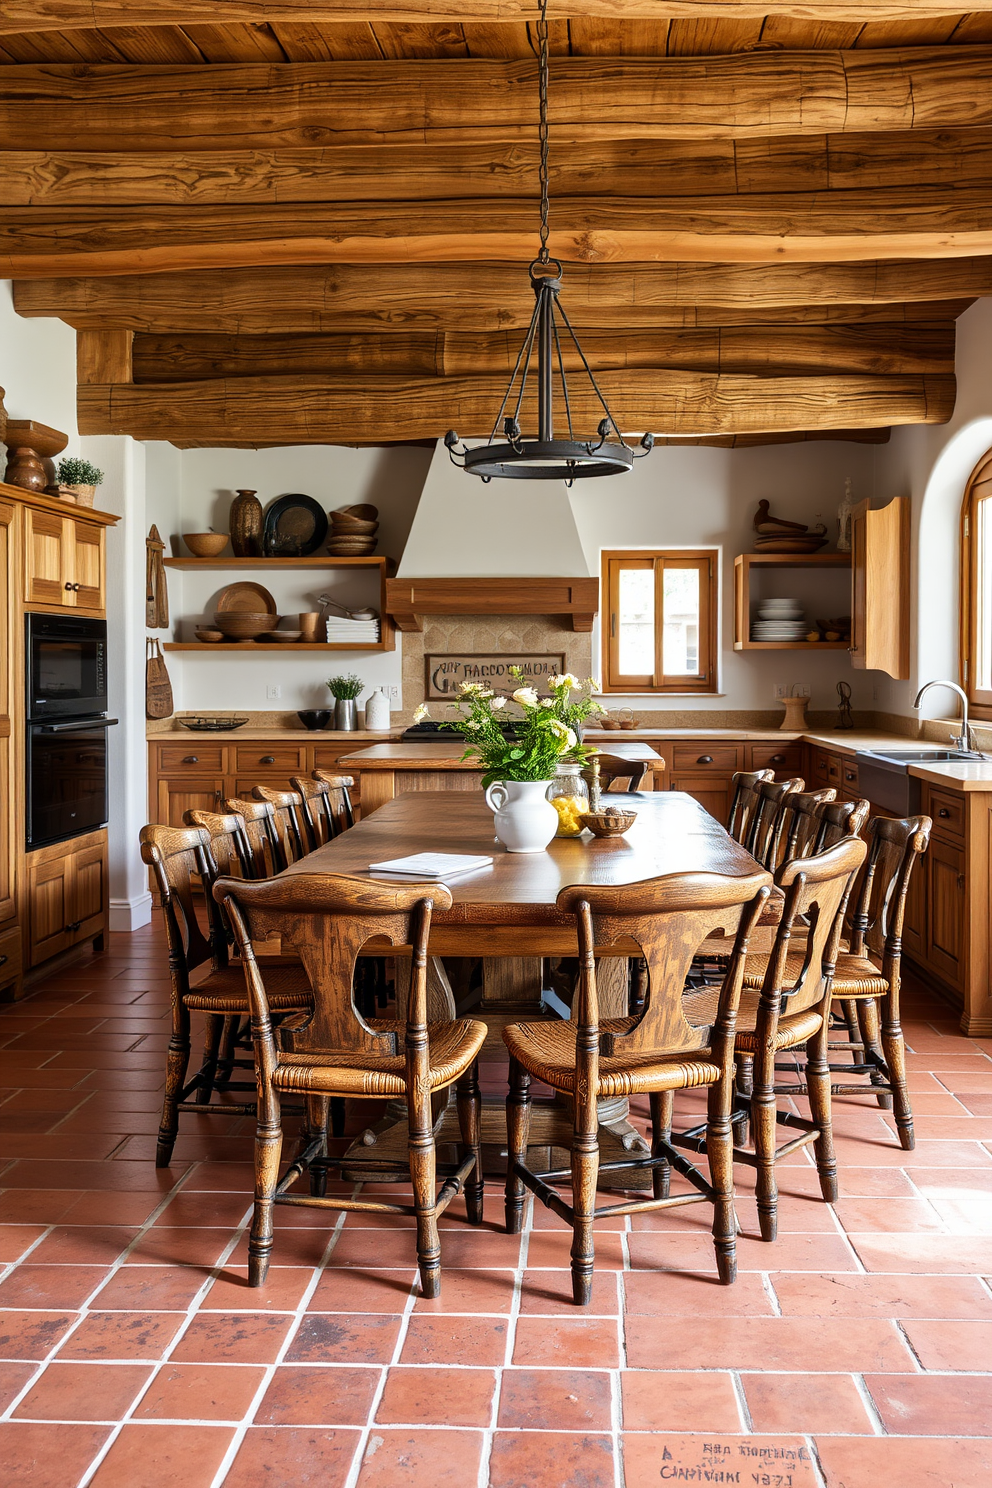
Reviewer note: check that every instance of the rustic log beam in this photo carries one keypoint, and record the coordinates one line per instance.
(497, 296)
(792, 436)
(381, 408)
(803, 227)
(464, 100)
(40, 15)
(104, 356)
(774, 351)
(648, 168)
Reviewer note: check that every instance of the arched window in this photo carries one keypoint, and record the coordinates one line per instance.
(976, 588)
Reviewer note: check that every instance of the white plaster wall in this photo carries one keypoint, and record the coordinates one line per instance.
(931, 464)
(38, 368)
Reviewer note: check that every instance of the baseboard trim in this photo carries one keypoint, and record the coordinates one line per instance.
(127, 915)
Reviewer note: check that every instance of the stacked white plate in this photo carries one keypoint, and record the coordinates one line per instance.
(779, 620)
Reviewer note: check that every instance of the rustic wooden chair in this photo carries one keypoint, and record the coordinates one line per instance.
(318, 818)
(339, 801)
(656, 1052)
(745, 801)
(261, 833)
(798, 826)
(791, 1008)
(229, 845)
(289, 824)
(335, 1051)
(178, 856)
(764, 824)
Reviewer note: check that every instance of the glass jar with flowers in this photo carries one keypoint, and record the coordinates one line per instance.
(518, 762)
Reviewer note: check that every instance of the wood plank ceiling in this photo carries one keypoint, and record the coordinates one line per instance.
(310, 223)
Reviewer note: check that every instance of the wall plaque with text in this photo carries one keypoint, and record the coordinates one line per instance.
(446, 673)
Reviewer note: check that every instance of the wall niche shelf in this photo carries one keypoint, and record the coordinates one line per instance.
(745, 563)
(383, 567)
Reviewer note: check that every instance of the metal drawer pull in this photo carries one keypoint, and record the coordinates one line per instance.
(943, 811)
(191, 759)
(705, 759)
(267, 759)
(3, 960)
(778, 759)
(76, 925)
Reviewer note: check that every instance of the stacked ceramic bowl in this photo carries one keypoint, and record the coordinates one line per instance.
(779, 620)
(353, 531)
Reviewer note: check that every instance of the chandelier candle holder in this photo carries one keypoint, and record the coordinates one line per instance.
(546, 458)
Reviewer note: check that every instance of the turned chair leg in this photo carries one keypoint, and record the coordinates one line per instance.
(517, 1131)
(225, 1056)
(868, 1024)
(423, 1176)
(720, 1156)
(316, 1109)
(177, 1063)
(268, 1153)
(764, 1131)
(894, 1047)
(818, 1091)
(211, 1050)
(662, 1106)
(585, 1172)
(469, 1100)
(849, 1011)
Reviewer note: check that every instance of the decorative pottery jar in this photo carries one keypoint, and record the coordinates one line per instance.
(525, 819)
(246, 525)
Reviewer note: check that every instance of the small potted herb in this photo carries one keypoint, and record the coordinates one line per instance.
(79, 477)
(345, 691)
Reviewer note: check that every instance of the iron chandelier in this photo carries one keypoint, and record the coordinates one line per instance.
(546, 458)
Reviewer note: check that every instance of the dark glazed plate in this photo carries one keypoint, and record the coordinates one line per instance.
(295, 527)
(212, 723)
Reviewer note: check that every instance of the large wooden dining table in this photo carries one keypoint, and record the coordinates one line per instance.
(506, 915)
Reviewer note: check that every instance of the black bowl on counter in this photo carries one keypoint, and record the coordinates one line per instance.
(315, 718)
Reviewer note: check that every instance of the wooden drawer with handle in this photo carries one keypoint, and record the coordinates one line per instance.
(826, 769)
(947, 811)
(785, 759)
(285, 758)
(178, 758)
(11, 962)
(849, 776)
(706, 757)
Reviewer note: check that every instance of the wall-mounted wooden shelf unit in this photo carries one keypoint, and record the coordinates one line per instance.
(743, 565)
(249, 648)
(314, 561)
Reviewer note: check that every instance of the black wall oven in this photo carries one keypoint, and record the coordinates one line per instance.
(66, 677)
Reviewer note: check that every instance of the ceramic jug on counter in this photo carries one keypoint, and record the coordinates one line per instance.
(377, 711)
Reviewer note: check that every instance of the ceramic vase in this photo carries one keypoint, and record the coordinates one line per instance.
(525, 819)
(377, 711)
(246, 525)
(26, 470)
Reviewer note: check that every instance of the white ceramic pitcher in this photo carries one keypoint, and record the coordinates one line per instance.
(525, 819)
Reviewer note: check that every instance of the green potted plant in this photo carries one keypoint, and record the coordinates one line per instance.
(345, 691)
(80, 477)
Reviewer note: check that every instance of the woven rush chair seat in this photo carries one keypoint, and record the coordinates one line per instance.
(451, 1050)
(547, 1051)
(701, 1010)
(855, 976)
(224, 991)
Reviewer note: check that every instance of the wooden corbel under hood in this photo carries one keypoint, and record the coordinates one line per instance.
(407, 600)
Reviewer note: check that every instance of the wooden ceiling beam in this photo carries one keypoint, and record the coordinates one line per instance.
(773, 351)
(804, 227)
(647, 168)
(40, 15)
(382, 408)
(486, 101)
(497, 296)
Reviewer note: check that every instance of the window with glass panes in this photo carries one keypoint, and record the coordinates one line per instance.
(659, 621)
(976, 590)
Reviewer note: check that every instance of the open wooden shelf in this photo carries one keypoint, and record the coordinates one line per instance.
(316, 560)
(743, 564)
(249, 648)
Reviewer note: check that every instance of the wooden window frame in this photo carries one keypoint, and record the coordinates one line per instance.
(706, 561)
(980, 699)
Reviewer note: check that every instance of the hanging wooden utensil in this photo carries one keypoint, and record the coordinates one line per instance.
(158, 688)
(151, 608)
(157, 596)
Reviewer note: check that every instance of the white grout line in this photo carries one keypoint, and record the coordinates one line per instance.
(737, 1384)
(869, 1405)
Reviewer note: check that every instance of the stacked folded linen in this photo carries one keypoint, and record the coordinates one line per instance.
(352, 632)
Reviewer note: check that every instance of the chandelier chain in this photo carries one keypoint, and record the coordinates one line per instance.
(542, 65)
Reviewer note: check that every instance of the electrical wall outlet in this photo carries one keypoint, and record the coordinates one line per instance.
(800, 689)
(781, 690)
(273, 692)
(391, 691)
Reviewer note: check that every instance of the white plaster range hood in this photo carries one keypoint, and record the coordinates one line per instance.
(507, 548)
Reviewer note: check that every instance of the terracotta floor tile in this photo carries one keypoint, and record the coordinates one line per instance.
(387, 1248)
(450, 1339)
(214, 1177)
(567, 1342)
(81, 1245)
(282, 1291)
(368, 1291)
(122, 1335)
(200, 1392)
(888, 1462)
(150, 1289)
(43, 1456)
(101, 1208)
(32, 1335)
(398, 1458)
(121, 1177)
(882, 1296)
(806, 1403)
(670, 1401)
(549, 1459)
(695, 1253)
(551, 1248)
(344, 1338)
(146, 1455)
(549, 1293)
(743, 1459)
(769, 1343)
(284, 1456)
(678, 1294)
(196, 1209)
(889, 1216)
(83, 1392)
(173, 1246)
(232, 1338)
(25, 1206)
(437, 1397)
(928, 1254)
(13, 1378)
(951, 1345)
(475, 1291)
(932, 1404)
(300, 1395)
(555, 1399)
(49, 1287)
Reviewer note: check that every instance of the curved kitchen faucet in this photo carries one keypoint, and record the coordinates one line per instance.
(963, 740)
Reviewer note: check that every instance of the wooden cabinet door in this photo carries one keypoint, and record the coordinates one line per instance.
(8, 820)
(914, 929)
(50, 896)
(86, 547)
(88, 904)
(711, 791)
(46, 561)
(947, 926)
(880, 587)
(188, 793)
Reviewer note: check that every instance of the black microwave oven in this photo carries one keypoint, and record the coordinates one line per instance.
(66, 667)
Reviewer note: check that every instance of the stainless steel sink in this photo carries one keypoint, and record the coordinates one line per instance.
(883, 775)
